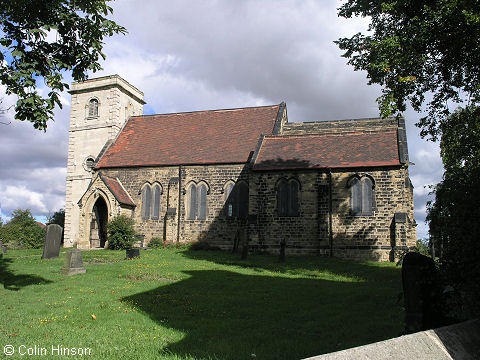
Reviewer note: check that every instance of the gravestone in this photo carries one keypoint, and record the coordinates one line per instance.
(133, 253)
(73, 263)
(3, 247)
(421, 293)
(283, 244)
(53, 240)
(242, 239)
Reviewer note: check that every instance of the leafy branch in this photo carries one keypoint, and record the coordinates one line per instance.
(28, 55)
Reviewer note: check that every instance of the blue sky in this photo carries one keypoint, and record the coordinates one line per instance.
(191, 55)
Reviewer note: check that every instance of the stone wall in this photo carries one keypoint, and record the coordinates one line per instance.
(217, 229)
(353, 236)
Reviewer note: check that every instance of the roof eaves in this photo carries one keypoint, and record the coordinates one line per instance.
(102, 177)
(126, 192)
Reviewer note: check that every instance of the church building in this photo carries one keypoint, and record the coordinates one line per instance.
(236, 177)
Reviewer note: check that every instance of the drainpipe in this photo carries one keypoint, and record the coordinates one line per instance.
(179, 200)
(330, 210)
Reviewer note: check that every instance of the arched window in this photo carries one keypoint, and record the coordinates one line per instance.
(202, 202)
(192, 202)
(367, 196)
(287, 197)
(356, 193)
(197, 202)
(361, 196)
(146, 202)
(93, 108)
(229, 202)
(157, 191)
(236, 199)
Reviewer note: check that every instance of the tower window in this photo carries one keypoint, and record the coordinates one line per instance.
(89, 163)
(93, 108)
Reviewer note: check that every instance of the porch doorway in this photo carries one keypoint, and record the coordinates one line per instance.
(98, 224)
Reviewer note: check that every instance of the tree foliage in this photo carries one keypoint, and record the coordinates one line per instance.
(22, 231)
(454, 218)
(428, 52)
(121, 233)
(58, 218)
(418, 48)
(40, 40)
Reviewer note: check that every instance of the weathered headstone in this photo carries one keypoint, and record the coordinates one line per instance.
(133, 253)
(236, 241)
(3, 247)
(421, 294)
(283, 244)
(242, 239)
(73, 263)
(53, 240)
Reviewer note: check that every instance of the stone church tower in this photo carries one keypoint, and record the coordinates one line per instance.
(99, 109)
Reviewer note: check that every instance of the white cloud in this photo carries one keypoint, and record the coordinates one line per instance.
(11, 196)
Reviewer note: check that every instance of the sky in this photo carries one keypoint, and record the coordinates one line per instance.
(212, 54)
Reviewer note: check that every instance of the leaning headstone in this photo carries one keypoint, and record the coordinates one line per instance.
(421, 294)
(3, 248)
(53, 240)
(133, 253)
(73, 263)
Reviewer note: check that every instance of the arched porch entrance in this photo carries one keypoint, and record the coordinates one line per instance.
(98, 224)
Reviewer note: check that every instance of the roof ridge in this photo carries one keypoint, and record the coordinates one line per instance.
(342, 133)
(394, 117)
(204, 111)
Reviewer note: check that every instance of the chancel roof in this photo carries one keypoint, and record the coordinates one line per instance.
(335, 150)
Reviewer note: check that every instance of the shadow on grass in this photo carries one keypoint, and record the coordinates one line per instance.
(299, 265)
(227, 315)
(12, 281)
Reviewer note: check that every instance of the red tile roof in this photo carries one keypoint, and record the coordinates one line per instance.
(215, 136)
(117, 189)
(354, 149)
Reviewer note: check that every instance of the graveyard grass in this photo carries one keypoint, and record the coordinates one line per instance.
(181, 304)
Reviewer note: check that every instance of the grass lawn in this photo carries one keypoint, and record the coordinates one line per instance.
(183, 304)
